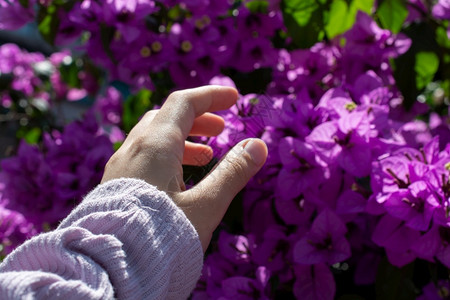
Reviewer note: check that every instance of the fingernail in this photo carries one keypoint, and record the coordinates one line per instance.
(257, 150)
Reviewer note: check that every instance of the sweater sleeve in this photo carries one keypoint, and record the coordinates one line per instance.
(126, 240)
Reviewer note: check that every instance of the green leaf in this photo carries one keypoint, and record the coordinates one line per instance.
(117, 145)
(135, 107)
(423, 39)
(392, 14)
(427, 63)
(300, 10)
(358, 5)
(31, 136)
(24, 3)
(304, 20)
(337, 19)
(48, 23)
(441, 35)
(69, 74)
(257, 6)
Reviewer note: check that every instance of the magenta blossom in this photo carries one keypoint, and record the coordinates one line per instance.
(325, 242)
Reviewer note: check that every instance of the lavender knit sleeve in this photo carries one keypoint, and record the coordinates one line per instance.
(126, 240)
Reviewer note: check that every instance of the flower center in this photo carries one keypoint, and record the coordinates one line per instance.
(202, 22)
(156, 46)
(400, 183)
(186, 46)
(350, 106)
(145, 51)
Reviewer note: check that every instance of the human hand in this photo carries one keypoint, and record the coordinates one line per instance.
(156, 148)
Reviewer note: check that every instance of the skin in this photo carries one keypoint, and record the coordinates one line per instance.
(156, 148)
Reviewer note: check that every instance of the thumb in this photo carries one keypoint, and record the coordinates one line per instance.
(214, 193)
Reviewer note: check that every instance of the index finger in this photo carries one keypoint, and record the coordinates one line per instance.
(181, 108)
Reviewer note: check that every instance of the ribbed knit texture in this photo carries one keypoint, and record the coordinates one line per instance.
(126, 240)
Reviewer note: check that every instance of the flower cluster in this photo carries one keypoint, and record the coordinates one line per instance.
(24, 75)
(341, 180)
(193, 40)
(57, 176)
(411, 188)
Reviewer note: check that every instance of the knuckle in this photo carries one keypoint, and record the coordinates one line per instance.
(176, 97)
(149, 114)
(175, 94)
(140, 144)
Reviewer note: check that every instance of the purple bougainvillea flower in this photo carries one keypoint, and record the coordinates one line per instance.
(29, 184)
(443, 253)
(314, 282)
(183, 39)
(389, 174)
(188, 74)
(295, 115)
(415, 205)
(236, 248)
(255, 24)
(216, 269)
(45, 185)
(381, 41)
(336, 103)
(127, 16)
(205, 7)
(244, 288)
(14, 229)
(442, 11)
(350, 202)
(346, 142)
(253, 54)
(295, 211)
(14, 15)
(87, 15)
(301, 170)
(438, 291)
(300, 69)
(150, 52)
(397, 239)
(223, 44)
(258, 211)
(68, 31)
(10, 56)
(272, 250)
(110, 106)
(416, 11)
(427, 245)
(223, 81)
(440, 126)
(325, 242)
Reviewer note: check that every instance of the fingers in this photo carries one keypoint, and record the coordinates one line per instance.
(207, 125)
(181, 108)
(196, 154)
(213, 194)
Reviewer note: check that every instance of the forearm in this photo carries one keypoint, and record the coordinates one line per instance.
(125, 240)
